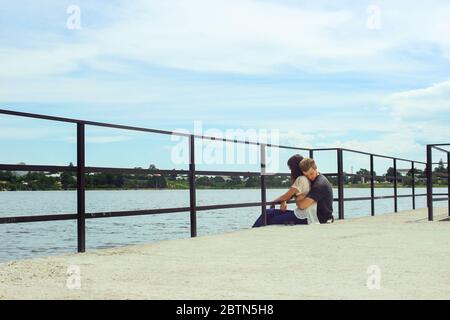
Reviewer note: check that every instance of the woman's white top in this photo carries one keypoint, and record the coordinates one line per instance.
(303, 186)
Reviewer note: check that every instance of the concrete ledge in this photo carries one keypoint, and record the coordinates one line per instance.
(276, 262)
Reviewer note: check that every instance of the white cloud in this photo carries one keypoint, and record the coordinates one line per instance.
(39, 62)
(9, 133)
(249, 36)
(431, 102)
(243, 36)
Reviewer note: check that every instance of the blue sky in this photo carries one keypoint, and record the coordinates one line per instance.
(320, 72)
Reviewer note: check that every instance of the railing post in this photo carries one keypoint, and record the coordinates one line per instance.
(429, 171)
(448, 181)
(340, 165)
(81, 188)
(413, 185)
(192, 195)
(372, 187)
(263, 184)
(311, 154)
(395, 186)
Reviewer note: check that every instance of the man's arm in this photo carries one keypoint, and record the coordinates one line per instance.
(304, 203)
(287, 196)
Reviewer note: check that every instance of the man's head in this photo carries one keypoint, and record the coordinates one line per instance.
(309, 168)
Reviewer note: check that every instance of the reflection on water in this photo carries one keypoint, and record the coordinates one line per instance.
(26, 240)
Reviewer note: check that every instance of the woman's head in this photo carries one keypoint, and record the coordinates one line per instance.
(294, 165)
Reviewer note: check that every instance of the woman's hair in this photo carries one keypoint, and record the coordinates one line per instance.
(294, 165)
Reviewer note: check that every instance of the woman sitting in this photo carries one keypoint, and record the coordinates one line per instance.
(299, 189)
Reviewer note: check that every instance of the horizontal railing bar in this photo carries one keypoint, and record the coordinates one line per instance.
(134, 128)
(93, 215)
(369, 176)
(389, 177)
(285, 174)
(111, 214)
(325, 149)
(382, 197)
(90, 215)
(226, 173)
(14, 167)
(440, 199)
(228, 206)
(440, 149)
(256, 143)
(23, 219)
(248, 173)
(197, 136)
(287, 147)
(382, 156)
(440, 144)
(87, 122)
(26, 167)
(38, 116)
(367, 153)
(135, 170)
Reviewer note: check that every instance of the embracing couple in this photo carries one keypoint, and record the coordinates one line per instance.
(312, 192)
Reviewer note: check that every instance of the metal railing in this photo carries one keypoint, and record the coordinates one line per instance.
(81, 170)
(429, 171)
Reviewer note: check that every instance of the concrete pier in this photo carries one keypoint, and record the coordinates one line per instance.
(391, 256)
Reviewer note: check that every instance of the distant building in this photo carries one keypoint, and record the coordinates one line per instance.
(20, 173)
(53, 175)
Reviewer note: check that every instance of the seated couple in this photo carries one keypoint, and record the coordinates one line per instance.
(313, 194)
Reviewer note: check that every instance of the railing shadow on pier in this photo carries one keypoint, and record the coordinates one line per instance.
(81, 170)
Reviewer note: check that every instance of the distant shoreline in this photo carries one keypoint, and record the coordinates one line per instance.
(212, 188)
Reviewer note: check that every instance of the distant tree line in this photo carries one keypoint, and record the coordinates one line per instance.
(362, 176)
(68, 181)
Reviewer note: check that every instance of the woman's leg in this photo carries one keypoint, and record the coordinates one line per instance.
(275, 216)
(288, 217)
(270, 214)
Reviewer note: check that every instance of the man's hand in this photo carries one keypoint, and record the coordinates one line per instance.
(283, 206)
(304, 203)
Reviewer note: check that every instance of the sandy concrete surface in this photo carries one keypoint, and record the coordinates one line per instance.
(276, 262)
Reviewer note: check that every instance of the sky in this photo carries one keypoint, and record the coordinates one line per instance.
(365, 75)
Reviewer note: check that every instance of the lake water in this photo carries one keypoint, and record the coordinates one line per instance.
(26, 240)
